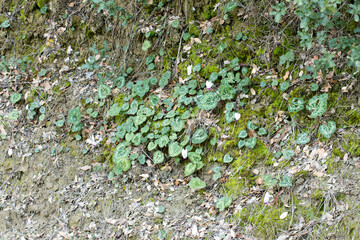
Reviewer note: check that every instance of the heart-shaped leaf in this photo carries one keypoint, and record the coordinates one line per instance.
(137, 139)
(104, 91)
(151, 146)
(174, 149)
(196, 183)
(229, 116)
(163, 141)
(262, 131)
(121, 153)
(158, 157)
(251, 126)
(114, 110)
(250, 143)
(209, 101)
(288, 153)
(269, 181)
(241, 143)
(223, 203)
(303, 138)
(199, 136)
(328, 130)
(139, 119)
(74, 115)
(317, 105)
(154, 100)
(285, 181)
(15, 97)
(189, 169)
(194, 157)
(243, 134)
(228, 158)
(296, 105)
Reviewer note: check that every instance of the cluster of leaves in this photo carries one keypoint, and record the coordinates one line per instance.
(317, 20)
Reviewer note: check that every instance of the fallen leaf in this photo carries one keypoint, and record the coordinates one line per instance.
(283, 215)
(252, 91)
(286, 76)
(85, 168)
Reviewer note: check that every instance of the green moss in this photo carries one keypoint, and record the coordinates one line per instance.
(352, 145)
(243, 178)
(338, 152)
(42, 3)
(193, 30)
(208, 69)
(318, 194)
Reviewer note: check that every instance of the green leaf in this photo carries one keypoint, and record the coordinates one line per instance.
(327, 130)
(189, 169)
(5, 24)
(74, 115)
(177, 124)
(151, 146)
(284, 86)
(146, 45)
(269, 181)
(103, 91)
(241, 143)
(163, 82)
(209, 101)
(213, 76)
(139, 119)
(196, 183)
(194, 157)
(243, 134)
(238, 36)
(199, 136)
(136, 140)
(317, 105)
(314, 87)
(77, 127)
(303, 138)
(296, 105)
(197, 67)
(41, 117)
(229, 116)
(185, 141)
(228, 158)
(285, 181)
(223, 203)
(174, 149)
(120, 82)
(250, 142)
(163, 141)
(114, 110)
(229, 106)
(60, 123)
(226, 92)
(186, 36)
(121, 153)
(42, 72)
(141, 88)
(175, 24)
(154, 100)
(15, 97)
(251, 126)
(287, 58)
(231, 5)
(262, 131)
(158, 157)
(288, 153)
(14, 115)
